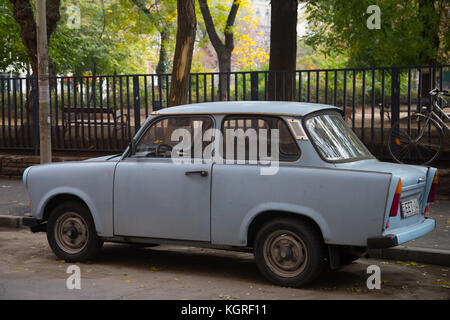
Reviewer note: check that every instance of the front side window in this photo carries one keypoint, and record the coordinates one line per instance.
(159, 140)
(334, 139)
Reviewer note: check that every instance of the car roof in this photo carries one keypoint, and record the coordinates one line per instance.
(247, 107)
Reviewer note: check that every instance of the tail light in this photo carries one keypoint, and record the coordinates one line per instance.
(432, 194)
(426, 211)
(396, 200)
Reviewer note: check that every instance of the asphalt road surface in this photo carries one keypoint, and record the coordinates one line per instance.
(30, 270)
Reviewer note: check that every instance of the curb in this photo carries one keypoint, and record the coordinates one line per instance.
(11, 222)
(424, 255)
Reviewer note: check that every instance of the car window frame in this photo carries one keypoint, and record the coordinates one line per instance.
(160, 118)
(247, 115)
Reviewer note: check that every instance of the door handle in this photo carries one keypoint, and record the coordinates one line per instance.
(201, 173)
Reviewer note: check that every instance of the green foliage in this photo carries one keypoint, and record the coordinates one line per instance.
(13, 54)
(156, 17)
(114, 35)
(108, 38)
(406, 36)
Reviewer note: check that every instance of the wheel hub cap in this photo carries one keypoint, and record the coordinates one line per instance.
(71, 232)
(285, 253)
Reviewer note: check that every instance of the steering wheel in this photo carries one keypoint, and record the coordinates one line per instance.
(162, 145)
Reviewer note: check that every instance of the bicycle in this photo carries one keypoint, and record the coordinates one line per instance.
(419, 137)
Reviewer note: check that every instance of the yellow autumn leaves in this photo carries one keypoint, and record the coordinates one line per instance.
(247, 52)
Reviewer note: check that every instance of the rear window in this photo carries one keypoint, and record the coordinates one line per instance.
(333, 138)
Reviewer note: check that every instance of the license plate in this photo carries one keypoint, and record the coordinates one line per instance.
(410, 208)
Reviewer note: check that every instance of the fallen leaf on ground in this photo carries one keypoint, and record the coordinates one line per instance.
(445, 283)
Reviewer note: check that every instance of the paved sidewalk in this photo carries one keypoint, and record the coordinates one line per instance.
(439, 238)
(13, 197)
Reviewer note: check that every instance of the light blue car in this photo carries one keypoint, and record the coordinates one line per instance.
(288, 181)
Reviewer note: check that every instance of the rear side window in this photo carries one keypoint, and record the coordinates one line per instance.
(252, 138)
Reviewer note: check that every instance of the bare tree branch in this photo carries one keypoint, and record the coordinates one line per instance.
(229, 43)
(209, 23)
(223, 50)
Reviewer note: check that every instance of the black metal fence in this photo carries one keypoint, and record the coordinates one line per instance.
(101, 112)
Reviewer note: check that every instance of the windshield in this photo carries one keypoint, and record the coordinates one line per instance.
(334, 139)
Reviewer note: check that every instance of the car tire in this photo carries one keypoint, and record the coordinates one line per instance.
(290, 252)
(71, 233)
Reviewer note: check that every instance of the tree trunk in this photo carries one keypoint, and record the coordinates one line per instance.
(283, 49)
(163, 62)
(24, 16)
(224, 78)
(186, 28)
(223, 50)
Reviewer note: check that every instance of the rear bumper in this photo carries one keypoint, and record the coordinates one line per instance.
(401, 235)
(386, 241)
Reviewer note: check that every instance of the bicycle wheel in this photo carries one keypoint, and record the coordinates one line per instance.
(415, 140)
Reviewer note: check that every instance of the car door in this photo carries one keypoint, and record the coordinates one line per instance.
(242, 177)
(156, 197)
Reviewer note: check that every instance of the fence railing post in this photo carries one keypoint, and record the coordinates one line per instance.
(395, 102)
(34, 86)
(395, 95)
(254, 86)
(137, 104)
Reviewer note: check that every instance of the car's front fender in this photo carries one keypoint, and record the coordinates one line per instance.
(91, 182)
(75, 192)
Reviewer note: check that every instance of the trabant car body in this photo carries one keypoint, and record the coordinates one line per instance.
(322, 201)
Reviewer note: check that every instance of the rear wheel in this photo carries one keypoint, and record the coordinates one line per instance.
(289, 252)
(71, 232)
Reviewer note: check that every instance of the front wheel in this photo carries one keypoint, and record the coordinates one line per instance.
(71, 233)
(290, 252)
(416, 139)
